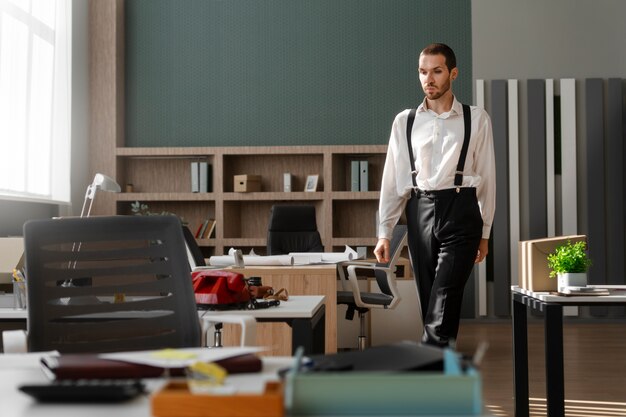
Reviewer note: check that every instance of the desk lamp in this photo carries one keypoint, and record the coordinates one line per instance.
(100, 182)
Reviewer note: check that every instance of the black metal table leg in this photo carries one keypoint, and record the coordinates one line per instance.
(555, 394)
(310, 333)
(520, 358)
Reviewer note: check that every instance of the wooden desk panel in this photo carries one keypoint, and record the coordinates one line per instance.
(297, 280)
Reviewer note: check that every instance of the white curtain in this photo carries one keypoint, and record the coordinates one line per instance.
(35, 99)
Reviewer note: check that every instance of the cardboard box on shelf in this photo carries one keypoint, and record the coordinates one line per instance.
(247, 183)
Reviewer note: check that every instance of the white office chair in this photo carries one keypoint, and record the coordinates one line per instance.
(385, 275)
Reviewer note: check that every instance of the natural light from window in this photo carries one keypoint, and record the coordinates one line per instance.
(35, 91)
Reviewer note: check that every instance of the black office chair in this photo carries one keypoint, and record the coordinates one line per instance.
(385, 276)
(293, 228)
(140, 297)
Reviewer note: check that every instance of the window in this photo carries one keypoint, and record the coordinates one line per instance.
(35, 99)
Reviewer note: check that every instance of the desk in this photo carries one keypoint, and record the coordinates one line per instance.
(552, 308)
(305, 314)
(318, 279)
(14, 373)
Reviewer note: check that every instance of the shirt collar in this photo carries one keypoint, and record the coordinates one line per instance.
(457, 107)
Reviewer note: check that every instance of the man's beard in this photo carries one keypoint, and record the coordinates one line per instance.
(440, 92)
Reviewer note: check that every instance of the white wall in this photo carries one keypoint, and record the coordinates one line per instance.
(548, 39)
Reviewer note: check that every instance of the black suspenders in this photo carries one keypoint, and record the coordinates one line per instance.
(458, 176)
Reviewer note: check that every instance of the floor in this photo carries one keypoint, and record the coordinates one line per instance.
(595, 366)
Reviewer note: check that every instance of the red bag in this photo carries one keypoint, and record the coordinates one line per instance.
(218, 289)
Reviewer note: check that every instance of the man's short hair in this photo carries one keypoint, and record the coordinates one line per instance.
(441, 49)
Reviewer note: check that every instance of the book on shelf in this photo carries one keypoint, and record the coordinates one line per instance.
(209, 229)
(364, 176)
(201, 177)
(195, 177)
(354, 175)
(202, 229)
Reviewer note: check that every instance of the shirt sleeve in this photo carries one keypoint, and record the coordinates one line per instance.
(485, 167)
(393, 195)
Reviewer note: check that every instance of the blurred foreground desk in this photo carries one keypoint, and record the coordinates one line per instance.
(318, 279)
(552, 308)
(16, 370)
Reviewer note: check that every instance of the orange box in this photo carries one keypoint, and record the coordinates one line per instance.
(175, 400)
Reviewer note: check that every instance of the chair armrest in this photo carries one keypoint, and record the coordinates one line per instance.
(247, 323)
(354, 287)
(14, 341)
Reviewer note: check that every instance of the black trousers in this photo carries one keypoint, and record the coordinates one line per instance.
(445, 228)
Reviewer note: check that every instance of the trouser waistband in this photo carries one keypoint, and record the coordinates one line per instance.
(442, 193)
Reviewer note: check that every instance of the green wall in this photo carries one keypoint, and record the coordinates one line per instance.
(281, 72)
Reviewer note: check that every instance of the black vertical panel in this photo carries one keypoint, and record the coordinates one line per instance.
(615, 248)
(594, 104)
(500, 252)
(537, 199)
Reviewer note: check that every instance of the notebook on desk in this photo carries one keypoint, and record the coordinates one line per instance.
(91, 366)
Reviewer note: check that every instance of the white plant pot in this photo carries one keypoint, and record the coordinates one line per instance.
(572, 279)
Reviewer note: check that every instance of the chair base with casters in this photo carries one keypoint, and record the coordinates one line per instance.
(363, 302)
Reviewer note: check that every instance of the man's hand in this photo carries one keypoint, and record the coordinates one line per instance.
(483, 250)
(382, 250)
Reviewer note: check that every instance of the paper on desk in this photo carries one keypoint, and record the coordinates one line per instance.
(179, 358)
(303, 258)
(24, 360)
(272, 260)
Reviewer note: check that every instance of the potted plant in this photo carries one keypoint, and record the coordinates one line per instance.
(569, 263)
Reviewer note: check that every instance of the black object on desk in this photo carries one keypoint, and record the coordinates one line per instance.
(85, 390)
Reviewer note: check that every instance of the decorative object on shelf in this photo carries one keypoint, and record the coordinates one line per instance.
(129, 188)
(142, 209)
(287, 182)
(311, 183)
(570, 262)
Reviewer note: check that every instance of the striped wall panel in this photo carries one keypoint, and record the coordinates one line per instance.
(553, 200)
(550, 168)
(537, 162)
(594, 104)
(480, 270)
(569, 196)
(615, 240)
(500, 235)
(514, 170)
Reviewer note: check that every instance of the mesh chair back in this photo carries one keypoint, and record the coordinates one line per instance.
(293, 228)
(138, 293)
(398, 238)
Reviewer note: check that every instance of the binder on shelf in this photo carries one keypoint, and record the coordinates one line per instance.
(354, 176)
(195, 177)
(364, 175)
(204, 177)
(287, 182)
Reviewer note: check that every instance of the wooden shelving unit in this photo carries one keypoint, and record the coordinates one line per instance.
(161, 178)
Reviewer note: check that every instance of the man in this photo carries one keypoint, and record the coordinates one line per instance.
(449, 197)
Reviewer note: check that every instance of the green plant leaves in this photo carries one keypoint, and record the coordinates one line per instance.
(569, 258)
